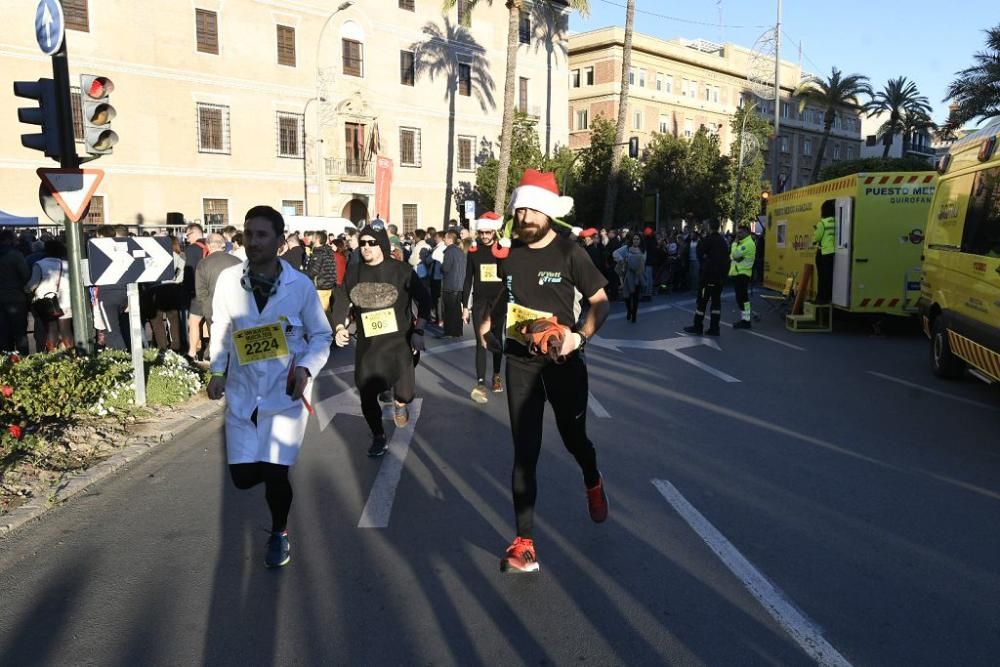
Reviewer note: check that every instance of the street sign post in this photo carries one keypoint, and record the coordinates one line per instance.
(72, 188)
(50, 26)
(470, 209)
(128, 262)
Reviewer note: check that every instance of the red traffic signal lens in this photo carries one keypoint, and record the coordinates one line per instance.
(100, 86)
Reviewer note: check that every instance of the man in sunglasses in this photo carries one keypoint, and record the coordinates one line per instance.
(380, 291)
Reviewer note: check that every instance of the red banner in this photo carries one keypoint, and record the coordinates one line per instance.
(383, 183)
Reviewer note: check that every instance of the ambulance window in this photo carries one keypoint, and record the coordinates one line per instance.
(982, 222)
(782, 234)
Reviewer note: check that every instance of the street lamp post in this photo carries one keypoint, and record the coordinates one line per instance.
(305, 178)
(320, 171)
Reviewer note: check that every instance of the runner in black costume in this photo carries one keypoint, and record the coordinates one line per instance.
(380, 284)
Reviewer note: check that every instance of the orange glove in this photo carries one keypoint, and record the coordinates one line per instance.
(545, 337)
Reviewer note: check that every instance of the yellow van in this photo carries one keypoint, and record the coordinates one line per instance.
(960, 289)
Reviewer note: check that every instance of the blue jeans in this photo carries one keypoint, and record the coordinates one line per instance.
(14, 327)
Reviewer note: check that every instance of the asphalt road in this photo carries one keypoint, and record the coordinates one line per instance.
(778, 499)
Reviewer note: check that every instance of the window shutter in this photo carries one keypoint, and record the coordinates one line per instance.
(286, 45)
(207, 31)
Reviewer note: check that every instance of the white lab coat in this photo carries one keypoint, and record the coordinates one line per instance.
(281, 422)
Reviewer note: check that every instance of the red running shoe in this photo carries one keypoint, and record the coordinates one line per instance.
(520, 557)
(597, 502)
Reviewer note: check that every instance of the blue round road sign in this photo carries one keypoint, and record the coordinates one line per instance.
(49, 26)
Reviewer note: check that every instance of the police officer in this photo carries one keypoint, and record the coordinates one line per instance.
(824, 239)
(713, 261)
(742, 254)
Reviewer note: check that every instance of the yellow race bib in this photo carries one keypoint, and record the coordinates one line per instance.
(520, 316)
(488, 273)
(379, 322)
(260, 343)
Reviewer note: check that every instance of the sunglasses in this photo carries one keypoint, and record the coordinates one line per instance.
(371, 243)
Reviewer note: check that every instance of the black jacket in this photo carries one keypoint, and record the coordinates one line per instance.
(713, 253)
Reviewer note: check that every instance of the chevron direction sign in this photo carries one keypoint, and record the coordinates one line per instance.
(121, 261)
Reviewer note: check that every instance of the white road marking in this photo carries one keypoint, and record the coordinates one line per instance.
(669, 345)
(758, 335)
(378, 509)
(430, 352)
(647, 309)
(935, 392)
(802, 629)
(597, 408)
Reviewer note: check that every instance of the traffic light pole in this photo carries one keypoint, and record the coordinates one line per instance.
(83, 327)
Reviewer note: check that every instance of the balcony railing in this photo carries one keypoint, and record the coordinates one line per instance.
(350, 170)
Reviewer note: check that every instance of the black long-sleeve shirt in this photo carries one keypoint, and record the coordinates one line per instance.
(388, 284)
(483, 284)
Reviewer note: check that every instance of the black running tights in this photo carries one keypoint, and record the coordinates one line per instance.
(529, 385)
(479, 312)
(277, 487)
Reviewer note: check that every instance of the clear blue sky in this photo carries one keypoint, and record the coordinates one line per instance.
(925, 41)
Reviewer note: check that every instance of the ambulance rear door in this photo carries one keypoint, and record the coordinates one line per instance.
(843, 227)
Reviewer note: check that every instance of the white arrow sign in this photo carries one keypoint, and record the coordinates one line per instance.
(121, 260)
(671, 346)
(47, 22)
(156, 261)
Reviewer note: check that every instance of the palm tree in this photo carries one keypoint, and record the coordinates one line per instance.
(436, 56)
(976, 93)
(899, 98)
(832, 94)
(514, 8)
(616, 150)
(914, 124)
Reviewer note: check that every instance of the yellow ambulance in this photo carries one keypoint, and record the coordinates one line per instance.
(880, 220)
(960, 291)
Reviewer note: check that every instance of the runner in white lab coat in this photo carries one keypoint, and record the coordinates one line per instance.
(269, 336)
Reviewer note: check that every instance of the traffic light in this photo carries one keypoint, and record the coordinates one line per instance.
(764, 196)
(633, 147)
(95, 103)
(46, 114)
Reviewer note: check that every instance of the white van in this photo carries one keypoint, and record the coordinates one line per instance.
(317, 223)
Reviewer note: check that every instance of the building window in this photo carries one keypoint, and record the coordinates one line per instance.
(464, 13)
(213, 128)
(464, 79)
(409, 147)
(807, 146)
(664, 124)
(871, 140)
(407, 5)
(354, 59)
(659, 81)
(589, 71)
(407, 73)
(76, 105)
(631, 76)
(286, 46)
(714, 94)
(410, 221)
(688, 127)
(290, 134)
(524, 28)
(981, 235)
(669, 84)
(637, 120)
(575, 78)
(465, 147)
(95, 212)
(216, 211)
(642, 78)
(292, 207)
(581, 119)
(75, 15)
(836, 151)
(207, 31)
(522, 94)
(784, 144)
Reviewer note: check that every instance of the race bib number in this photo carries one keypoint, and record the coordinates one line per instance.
(379, 322)
(519, 317)
(488, 273)
(260, 343)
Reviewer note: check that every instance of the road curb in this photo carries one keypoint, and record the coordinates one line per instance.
(135, 449)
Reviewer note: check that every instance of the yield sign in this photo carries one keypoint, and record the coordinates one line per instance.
(72, 188)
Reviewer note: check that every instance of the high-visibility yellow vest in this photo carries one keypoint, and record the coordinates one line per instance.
(825, 236)
(743, 254)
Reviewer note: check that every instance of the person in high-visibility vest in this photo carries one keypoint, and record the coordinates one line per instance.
(742, 254)
(826, 246)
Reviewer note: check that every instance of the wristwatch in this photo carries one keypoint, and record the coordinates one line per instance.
(583, 339)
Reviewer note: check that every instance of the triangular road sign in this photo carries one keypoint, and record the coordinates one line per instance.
(72, 188)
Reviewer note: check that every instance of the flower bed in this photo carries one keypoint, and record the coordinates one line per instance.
(61, 412)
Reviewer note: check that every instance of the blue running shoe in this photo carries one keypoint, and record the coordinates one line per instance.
(278, 550)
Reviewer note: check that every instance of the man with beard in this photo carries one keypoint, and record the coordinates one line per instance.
(482, 283)
(379, 291)
(541, 277)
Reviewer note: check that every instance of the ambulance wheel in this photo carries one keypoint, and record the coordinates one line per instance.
(944, 363)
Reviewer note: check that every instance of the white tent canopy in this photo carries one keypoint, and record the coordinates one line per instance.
(9, 220)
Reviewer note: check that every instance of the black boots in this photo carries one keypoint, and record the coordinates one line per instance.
(696, 328)
(713, 328)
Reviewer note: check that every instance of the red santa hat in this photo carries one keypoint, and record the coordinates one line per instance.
(538, 190)
(488, 221)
